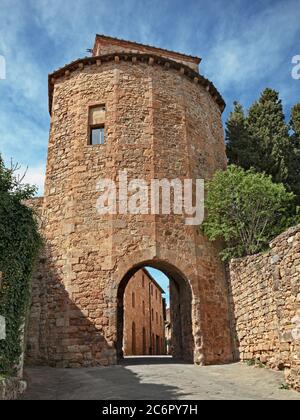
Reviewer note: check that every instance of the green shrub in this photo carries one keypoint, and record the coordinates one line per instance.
(246, 210)
(19, 245)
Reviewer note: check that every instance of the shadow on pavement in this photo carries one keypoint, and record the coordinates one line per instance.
(150, 360)
(111, 383)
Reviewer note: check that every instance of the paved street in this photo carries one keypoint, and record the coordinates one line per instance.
(157, 379)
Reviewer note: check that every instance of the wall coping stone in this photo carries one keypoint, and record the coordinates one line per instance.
(12, 388)
(291, 232)
(136, 58)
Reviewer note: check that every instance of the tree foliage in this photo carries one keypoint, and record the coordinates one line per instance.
(19, 245)
(246, 210)
(295, 121)
(240, 149)
(264, 141)
(294, 152)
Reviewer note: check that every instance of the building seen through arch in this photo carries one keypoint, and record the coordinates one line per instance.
(144, 316)
(141, 326)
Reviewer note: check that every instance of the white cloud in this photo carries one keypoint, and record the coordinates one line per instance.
(255, 50)
(35, 176)
(24, 80)
(22, 138)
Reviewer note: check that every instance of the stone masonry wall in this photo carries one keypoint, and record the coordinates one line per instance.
(107, 45)
(11, 388)
(159, 124)
(266, 303)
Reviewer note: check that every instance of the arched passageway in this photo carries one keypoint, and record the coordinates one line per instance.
(181, 345)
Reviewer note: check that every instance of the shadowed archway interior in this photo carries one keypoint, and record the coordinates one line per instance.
(182, 340)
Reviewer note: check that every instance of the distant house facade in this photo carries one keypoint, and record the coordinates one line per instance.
(168, 332)
(144, 316)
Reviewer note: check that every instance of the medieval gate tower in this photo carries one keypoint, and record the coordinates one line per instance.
(147, 111)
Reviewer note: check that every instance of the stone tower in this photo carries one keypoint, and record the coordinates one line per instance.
(147, 111)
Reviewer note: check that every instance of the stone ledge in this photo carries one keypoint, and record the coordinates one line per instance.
(285, 235)
(12, 388)
(136, 58)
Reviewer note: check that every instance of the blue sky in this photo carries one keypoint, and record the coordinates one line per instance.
(162, 280)
(245, 47)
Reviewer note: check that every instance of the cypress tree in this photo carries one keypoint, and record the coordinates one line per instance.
(295, 121)
(293, 180)
(262, 140)
(240, 151)
(269, 133)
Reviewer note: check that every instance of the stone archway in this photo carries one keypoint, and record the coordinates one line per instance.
(173, 131)
(181, 309)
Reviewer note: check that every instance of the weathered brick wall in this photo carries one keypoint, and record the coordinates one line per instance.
(266, 303)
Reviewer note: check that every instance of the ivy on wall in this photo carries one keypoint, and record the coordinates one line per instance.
(19, 246)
